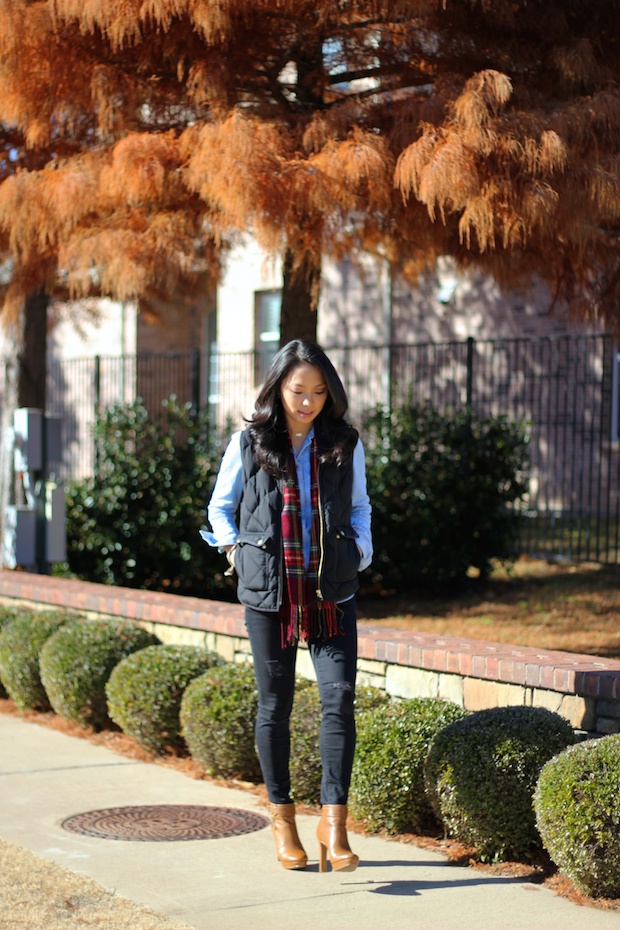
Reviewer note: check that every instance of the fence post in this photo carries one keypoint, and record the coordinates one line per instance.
(195, 379)
(469, 390)
(97, 386)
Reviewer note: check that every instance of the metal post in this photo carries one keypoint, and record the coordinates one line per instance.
(387, 291)
(195, 379)
(469, 391)
(97, 386)
(40, 502)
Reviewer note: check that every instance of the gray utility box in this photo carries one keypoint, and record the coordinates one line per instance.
(36, 442)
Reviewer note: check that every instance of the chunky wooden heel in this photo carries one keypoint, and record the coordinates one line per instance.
(332, 836)
(322, 857)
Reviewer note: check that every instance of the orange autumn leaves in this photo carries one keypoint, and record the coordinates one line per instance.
(154, 132)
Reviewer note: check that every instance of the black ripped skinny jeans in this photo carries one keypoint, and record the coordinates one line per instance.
(335, 662)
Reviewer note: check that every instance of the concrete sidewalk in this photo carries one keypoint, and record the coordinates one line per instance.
(235, 882)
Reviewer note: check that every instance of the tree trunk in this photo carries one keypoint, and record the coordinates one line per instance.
(32, 352)
(25, 374)
(7, 477)
(301, 276)
(300, 296)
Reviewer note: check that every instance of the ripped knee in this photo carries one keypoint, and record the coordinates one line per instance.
(342, 686)
(340, 696)
(276, 668)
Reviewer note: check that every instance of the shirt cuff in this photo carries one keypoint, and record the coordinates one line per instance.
(210, 540)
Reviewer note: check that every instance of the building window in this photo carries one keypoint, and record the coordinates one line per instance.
(266, 330)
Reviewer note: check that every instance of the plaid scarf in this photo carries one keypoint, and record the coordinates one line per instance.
(303, 615)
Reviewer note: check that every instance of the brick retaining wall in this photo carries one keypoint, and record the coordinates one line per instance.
(473, 673)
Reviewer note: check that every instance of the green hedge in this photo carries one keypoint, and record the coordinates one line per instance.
(387, 788)
(21, 642)
(442, 486)
(136, 522)
(577, 804)
(76, 663)
(481, 773)
(7, 614)
(305, 729)
(218, 710)
(145, 691)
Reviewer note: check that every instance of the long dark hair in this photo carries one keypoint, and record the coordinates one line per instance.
(268, 430)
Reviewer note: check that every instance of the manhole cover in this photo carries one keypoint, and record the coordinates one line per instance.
(165, 823)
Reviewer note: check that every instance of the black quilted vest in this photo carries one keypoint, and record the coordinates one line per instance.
(258, 557)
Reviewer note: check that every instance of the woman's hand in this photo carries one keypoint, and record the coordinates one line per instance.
(230, 556)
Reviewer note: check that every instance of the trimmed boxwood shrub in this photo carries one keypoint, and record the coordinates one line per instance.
(305, 759)
(577, 804)
(136, 521)
(481, 773)
(76, 663)
(218, 710)
(21, 642)
(443, 487)
(387, 788)
(145, 691)
(7, 614)
(305, 728)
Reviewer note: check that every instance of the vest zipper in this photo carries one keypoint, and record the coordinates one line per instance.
(281, 582)
(319, 593)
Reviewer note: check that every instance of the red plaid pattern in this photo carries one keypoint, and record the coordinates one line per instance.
(303, 614)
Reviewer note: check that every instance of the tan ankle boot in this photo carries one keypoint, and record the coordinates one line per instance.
(332, 836)
(290, 852)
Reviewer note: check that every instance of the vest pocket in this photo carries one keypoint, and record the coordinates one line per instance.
(253, 557)
(347, 556)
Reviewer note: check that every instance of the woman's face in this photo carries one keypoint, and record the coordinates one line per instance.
(303, 392)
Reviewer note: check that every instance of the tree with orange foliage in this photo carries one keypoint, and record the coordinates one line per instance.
(137, 138)
(489, 131)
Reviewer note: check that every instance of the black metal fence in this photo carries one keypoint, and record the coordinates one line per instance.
(564, 388)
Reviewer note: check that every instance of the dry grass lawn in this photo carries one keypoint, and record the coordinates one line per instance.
(574, 608)
(39, 895)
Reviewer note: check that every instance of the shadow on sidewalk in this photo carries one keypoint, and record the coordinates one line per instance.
(412, 888)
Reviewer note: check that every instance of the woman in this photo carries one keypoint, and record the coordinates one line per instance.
(297, 477)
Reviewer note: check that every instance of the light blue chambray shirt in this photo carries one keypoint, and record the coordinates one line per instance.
(222, 509)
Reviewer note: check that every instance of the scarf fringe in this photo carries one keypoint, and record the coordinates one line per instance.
(301, 615)
(320, 622)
